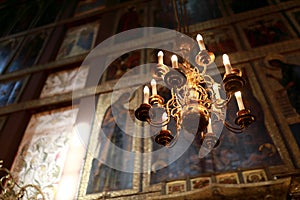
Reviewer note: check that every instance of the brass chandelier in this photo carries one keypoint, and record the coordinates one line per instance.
(195, 102)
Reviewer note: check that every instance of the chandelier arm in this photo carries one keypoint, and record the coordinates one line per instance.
(232, 128)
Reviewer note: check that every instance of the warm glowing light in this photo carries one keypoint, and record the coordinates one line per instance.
(146, 94)
(153, 86)
(200, 41)
(238, 96)
(226, 63)
(164, 118)
(160, 57)
(174, 60)
(209, 127)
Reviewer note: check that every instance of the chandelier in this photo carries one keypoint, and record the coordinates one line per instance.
(11, 190)
(195, 102)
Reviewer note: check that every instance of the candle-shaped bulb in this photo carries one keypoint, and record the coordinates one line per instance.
(200, 41)
(153, 86)
(226, 63)
(174, 60)
(238, 96)
(209, 127)
(216, 91)
(146, 94)
(164, 118)
(160, 57)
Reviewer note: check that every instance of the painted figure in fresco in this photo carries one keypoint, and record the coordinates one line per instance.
(290, 78)
(266, 32)
(129, 20)
(126, 62)
(102, 177)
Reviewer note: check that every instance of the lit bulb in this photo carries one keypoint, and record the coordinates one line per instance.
(238, 96)
(209, 127)
(174, 60)
(146, 94)
(153, 86)
(160, 57)
(200, 41)
(226, 63)
(164, 118)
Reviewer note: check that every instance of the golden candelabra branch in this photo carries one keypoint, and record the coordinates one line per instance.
(10, 190)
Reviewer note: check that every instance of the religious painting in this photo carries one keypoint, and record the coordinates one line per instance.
(64, 81)
(78, 40)
(267, 30)
(122, 65)
(110, 164)
(200, 182)
(29, 53)
(88, 6)
(10, 91)
(294, 16)
(42, 153)
(281, 82)
(256, 147)
(254, 176)
(221, 40)
(198, 11)
(230, 178)
(7, 49)
(129, 18)
(175, 187)
(236, 6)
(163, 15)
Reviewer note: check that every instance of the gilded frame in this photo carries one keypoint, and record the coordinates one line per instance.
(105, 99)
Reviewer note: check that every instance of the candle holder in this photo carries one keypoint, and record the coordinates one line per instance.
(244, 118)
(142, 113)
(205, 58)
(210, 140)
(164, 137)
(156, 100)
(159, 71)
(234, 81)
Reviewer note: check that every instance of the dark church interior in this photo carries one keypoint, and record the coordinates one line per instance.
(150, 99)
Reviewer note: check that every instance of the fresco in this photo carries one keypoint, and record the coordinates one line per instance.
(78, 40)
(121, 65)
(102, 177)
(64, 81)
(9, 91)
(7, 49)
(29, 53)
(42, 152)
(267, 31)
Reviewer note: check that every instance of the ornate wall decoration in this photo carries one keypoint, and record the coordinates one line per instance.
(254, 176)
(201, 182)
(294, 16)
(230, 178)
(64, 81)
(176, 187)
(41, 155)
(88, 6)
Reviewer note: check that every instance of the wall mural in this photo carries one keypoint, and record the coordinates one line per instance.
(78, 40)
(7, 49)
(42, 152)
(267, 30)
(29, 53)
(103, 178)
(121, 65)
(252, 149)
(64, 81)
(10, 91)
